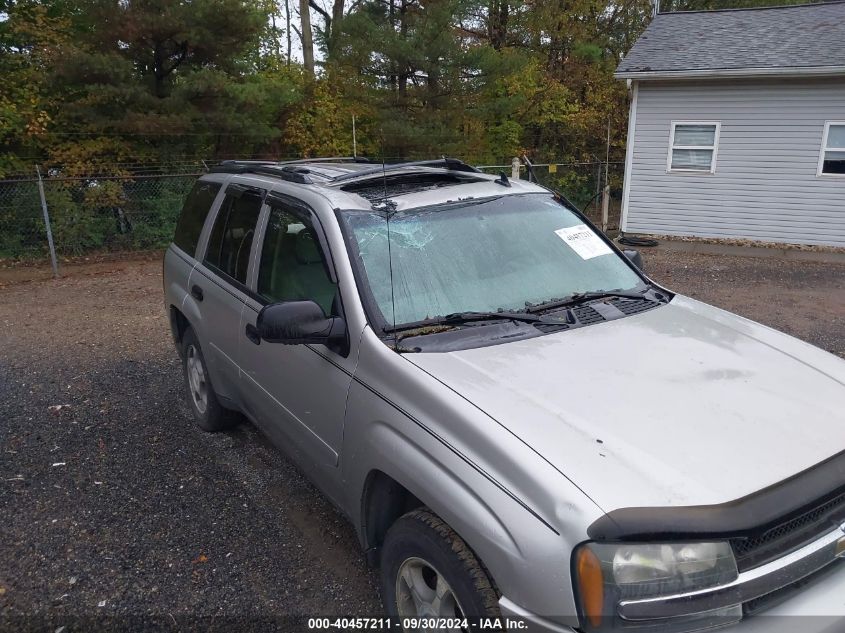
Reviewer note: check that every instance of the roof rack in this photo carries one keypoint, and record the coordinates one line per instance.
(299, 161)
(330, 159)
(292, 170)
(286, 169)
(448, 163)
(285, 172)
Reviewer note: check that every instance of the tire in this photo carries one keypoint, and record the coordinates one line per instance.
(418, 540)
(208, 413)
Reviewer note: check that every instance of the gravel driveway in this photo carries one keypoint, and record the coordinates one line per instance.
(115, 510)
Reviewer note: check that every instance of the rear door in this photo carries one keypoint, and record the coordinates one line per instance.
(218, 283)
(296, 392)
(180, 257)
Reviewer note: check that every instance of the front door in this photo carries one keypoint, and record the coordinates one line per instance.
(297, 393)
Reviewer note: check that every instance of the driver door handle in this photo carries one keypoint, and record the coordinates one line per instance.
(252, 333)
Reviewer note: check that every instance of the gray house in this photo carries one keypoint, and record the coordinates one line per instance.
(737, 125)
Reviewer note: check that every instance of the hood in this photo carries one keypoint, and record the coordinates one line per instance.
(684, 404)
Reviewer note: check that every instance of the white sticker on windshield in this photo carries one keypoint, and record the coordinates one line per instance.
(583, 241)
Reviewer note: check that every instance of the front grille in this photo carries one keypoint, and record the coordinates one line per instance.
(758, 549)
(763, 603)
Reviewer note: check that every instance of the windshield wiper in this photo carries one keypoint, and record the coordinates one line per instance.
(464, 317)
(459, 318)
(581, 297)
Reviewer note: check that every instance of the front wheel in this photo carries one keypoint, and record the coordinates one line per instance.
(428, 572)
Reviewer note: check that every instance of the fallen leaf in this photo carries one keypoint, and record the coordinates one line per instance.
(202, 558)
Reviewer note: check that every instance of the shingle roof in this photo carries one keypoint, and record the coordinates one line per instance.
(763, 41)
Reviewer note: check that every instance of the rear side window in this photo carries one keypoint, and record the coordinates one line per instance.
(190, 223)
(234, 228)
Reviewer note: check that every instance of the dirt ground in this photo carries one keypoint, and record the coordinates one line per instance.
(115, 509)
(802, 298)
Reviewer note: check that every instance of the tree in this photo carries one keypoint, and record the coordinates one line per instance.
(162, 78)
(306, 37)
(28, 38)
(94, 83)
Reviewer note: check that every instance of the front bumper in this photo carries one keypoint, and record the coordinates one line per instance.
(817, 607)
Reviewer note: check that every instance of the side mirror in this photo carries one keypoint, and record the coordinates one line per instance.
(635, 257)
(298, 322)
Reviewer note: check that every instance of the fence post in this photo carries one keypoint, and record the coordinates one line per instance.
(515, 168)
(598, 178)
(53, 259)
(605, 203)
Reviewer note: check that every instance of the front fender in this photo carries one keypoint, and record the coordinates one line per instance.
(469, 471)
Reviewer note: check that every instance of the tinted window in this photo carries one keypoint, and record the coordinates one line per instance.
(292, 263)
(231, 237)
(193, 215)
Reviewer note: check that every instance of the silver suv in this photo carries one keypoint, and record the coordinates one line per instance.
(518, 422)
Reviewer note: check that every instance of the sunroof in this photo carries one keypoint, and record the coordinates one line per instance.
(380, 188)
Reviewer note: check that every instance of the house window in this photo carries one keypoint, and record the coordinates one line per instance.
(693, 147)
(832, 159)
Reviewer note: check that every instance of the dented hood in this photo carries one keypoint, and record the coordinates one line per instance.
(684, 404)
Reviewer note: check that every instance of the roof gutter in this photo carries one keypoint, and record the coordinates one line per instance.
(718, 73)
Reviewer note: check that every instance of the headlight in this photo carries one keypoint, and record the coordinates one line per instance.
(607, 574)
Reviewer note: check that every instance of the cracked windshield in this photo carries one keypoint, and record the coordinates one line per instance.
(503, 253)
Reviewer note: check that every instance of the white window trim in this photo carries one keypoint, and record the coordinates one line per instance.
(673, 147)
(825, 149)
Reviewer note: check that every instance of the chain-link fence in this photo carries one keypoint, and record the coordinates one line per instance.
(92, 214)
(100, 214)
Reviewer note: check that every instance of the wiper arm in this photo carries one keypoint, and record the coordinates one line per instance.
(465, 317)
(459, 318)
(580, 297)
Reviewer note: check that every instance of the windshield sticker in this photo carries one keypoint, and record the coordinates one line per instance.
(583, 241)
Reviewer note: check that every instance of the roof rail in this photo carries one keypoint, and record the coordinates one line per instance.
(299, 161)
(286, 169)
(256, 167)
(291, 171)
(329, 159)
(448, 163)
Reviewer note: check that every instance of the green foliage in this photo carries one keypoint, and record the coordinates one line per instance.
(91, 215)
(96, 84)
(21, 223)
(110, 88)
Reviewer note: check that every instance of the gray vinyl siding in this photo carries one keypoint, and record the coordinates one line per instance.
(765, 186)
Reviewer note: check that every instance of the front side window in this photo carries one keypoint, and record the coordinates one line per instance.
(231, 238)
(832, 160)
(191, 220)
(293, 266)
(693, 147)
(506, 253)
